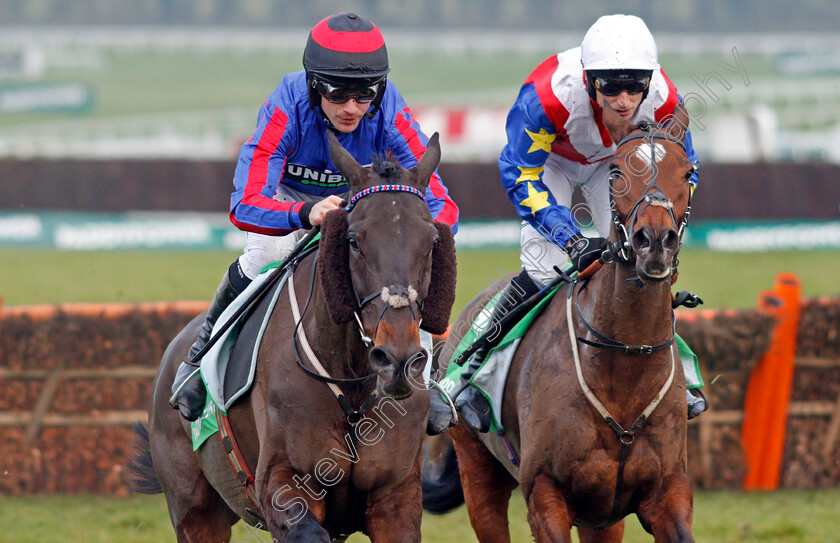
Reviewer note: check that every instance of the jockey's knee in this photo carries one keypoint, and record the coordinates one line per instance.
(261, 250)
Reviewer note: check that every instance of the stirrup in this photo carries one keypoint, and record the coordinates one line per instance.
(447, 398)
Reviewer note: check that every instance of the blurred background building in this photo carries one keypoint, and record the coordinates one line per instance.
(183, 79)
(125, 105)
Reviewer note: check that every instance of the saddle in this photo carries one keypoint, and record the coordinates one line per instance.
(491, 377)
(229, 366)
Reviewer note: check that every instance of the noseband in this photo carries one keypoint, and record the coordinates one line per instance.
(652, 196)
(395, 296)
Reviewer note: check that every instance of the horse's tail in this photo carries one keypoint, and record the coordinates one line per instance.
(141, 472)
(442, 490)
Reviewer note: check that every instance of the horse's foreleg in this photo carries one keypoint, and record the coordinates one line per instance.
(198, 513)
(548, 513)
(292, 506)
(613, 534)
(487, 487)
(667, 514)
(394, 514)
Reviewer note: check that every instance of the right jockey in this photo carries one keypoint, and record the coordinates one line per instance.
(556, 141)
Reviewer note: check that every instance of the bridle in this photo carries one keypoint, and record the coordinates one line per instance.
(394, 296)
(622, 251)
(652, 196)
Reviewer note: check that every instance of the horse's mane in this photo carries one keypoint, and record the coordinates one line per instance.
(386, 166)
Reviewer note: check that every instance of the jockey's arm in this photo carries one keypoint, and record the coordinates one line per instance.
(522, 165)
(258, 172)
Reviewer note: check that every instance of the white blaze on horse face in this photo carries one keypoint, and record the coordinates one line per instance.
(643, 152)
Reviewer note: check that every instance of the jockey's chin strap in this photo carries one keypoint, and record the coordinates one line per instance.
(652, 196)
(394, 296)
(625, 437)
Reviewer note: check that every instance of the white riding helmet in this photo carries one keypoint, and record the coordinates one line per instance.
(618, 42)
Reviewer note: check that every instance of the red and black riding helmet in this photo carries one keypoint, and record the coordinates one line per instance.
(346, 51)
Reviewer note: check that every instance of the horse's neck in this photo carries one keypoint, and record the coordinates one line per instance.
(628, 311)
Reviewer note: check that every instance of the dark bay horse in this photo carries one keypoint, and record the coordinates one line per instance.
(605, 437)
(337, 451)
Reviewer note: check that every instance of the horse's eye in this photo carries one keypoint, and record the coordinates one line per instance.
(354, 243)
(687, 175)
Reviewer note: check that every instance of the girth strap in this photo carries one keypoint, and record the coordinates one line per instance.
(237, 461)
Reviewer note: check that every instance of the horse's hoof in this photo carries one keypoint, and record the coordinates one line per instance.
(307, 531)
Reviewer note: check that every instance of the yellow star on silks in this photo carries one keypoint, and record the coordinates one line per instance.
(542, 140)
(529, 174)
(535, 200)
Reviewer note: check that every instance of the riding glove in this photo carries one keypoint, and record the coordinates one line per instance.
(584, 251)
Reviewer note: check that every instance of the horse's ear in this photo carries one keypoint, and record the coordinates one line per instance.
(677, 126)
(345, 162)
(437, 306)
(334, 267)
(617, 125)
(428, 162)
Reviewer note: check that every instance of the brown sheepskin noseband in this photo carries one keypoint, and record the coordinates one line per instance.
(438, 303)
(334, 267)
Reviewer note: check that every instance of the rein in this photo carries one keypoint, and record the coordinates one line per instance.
(613, 345)
(353, 415)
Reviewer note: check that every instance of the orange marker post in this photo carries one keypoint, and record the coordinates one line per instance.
(769, 388)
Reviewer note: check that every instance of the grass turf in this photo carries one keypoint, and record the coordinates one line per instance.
(29, 276)
(803, 516)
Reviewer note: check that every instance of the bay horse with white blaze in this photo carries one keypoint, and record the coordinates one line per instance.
(594, 404)
(339, 450)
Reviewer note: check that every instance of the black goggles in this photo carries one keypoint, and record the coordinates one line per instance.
(364, 94)
(613, 86)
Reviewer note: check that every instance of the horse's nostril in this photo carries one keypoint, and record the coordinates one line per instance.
(381, 359)
(417, 362)
(642, 239)
(670, 240)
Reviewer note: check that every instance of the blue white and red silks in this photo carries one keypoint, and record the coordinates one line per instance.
(554, 114)
(289, 146)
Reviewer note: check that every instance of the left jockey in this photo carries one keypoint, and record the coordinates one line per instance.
(556, 141)
(285, 182)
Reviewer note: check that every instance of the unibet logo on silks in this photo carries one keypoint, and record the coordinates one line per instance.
(311, 176)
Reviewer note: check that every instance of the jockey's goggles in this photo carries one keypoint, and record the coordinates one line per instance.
(364, 94)
(614, 82)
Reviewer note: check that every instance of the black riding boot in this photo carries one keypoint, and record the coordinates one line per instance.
(193, 394)
(472, 405)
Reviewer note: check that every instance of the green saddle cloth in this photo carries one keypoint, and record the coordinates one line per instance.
(491, 377)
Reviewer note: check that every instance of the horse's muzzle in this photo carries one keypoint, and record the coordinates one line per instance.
(654, 252)
(396, 374)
